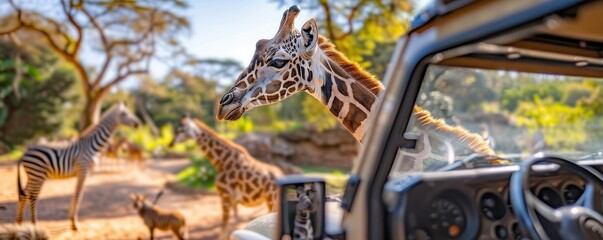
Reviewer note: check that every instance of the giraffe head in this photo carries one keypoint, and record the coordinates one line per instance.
(279, 68)
(187, 129)
(124, 116)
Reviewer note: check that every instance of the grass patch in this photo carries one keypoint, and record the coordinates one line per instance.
(335, 178)
(12, 156)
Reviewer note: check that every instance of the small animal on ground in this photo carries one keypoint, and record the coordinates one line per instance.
(154, 217)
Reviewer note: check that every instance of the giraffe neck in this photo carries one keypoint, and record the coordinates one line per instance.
(218, 149)
(98, 136)
(348, 93)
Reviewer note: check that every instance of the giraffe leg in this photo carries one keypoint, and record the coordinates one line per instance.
(77, 197)
(235, 209)
(226, 207)
(270, 202)
(272, 196)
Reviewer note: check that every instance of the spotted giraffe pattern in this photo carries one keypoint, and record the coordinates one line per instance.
(241, 179)
(294, 61)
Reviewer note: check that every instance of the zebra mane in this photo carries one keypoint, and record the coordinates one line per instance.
(105, 115)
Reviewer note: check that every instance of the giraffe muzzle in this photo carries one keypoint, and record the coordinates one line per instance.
(231, 112)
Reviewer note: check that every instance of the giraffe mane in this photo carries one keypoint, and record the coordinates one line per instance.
(214, 134)
(472, 140)
(362, 76)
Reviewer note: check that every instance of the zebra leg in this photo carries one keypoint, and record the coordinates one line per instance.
(152, 232)
(77, 197)
(32, 190)
(21, 209)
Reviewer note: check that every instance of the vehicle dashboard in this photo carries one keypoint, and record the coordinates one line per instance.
(472, 203)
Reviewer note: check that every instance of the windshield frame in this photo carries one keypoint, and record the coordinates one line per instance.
(406, 71)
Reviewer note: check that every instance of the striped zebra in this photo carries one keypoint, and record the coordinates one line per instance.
(76, 160)
(302, 228)
(154, 217)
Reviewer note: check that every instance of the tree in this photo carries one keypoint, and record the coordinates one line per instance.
(35, 105)
(123, 34)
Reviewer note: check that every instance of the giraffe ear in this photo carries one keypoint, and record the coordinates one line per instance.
(309, 32)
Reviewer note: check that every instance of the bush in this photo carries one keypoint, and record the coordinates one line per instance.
(201, 174)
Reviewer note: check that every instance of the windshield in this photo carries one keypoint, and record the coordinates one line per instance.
(515, 114)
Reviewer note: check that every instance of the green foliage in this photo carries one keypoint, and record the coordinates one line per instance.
(13, 155)
(575, 93)
(563, 126)
(317, 114)
(514, 96)
(157, 145)
(43, 100)
(201, 174)
(179, 93)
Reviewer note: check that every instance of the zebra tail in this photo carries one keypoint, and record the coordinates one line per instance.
(21, 192)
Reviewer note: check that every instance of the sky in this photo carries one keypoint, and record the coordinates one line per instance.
(230, 29)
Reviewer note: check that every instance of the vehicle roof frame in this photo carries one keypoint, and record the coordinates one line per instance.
(406, 84)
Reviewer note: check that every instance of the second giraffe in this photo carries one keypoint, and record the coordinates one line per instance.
(241, 178)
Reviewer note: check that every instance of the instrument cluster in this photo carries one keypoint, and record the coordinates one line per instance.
(461, 208)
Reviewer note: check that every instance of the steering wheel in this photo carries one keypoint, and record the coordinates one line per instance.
(576, 221)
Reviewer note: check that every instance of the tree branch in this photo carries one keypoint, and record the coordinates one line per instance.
(328, 18)
(19, 19)
(350, 19)
(105, 43)
(77, 26)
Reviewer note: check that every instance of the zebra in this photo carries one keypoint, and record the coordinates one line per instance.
(302, 228)
(76, 160)
(154, 217)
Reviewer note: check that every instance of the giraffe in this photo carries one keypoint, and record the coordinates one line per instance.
(294, 61)
(241, 178)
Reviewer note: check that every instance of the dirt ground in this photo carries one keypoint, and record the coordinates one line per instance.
(106, 211)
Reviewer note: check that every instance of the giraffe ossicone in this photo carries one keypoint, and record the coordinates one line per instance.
(302, 60)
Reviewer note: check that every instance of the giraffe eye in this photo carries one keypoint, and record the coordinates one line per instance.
(278, 63)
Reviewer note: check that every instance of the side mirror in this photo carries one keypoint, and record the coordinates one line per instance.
(301, 213)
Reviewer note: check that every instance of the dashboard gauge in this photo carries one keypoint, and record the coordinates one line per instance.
(571, 193)
(516, 233)
(447, 219)
(550, 197)
(492, 206)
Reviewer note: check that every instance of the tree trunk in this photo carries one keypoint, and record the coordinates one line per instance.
(146, 116)
(91, 113)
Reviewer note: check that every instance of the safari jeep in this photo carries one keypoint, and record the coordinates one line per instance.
(527, 77)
